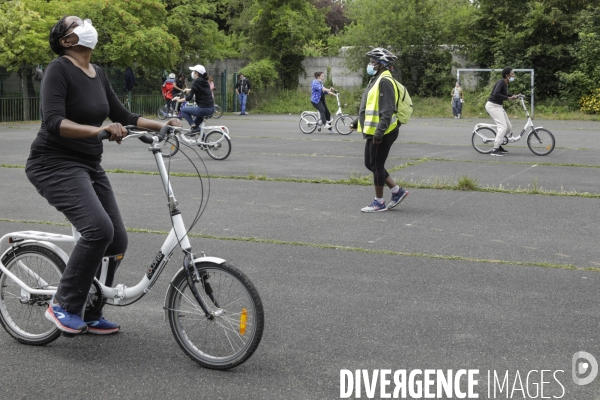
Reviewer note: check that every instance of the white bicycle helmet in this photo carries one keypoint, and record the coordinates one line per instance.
(382, 55)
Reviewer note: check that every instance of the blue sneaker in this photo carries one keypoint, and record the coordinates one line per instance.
(102, 327)
(375, 206)
(64, 320)
(398, 197)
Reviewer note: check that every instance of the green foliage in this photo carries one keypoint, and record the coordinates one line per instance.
(529, 34)
(280, 31)
(586, 53)
(261, 73)
(201, 41)
(23, 35)
(415, 31)
(591, 103)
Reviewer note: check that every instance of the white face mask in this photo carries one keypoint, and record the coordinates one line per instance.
(511, 78)
(193, 75)
(88, 36)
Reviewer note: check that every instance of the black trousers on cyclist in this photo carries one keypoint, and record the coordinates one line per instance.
(377, 153)
(323, 110)
(84, 195)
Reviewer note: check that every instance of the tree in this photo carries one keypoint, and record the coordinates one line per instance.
(538, 34)
(415, 30)
(128, 31)
(279, 30)
(23, 36)
(196, 24)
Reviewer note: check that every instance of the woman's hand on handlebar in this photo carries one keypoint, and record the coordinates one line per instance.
(174, 122)
(117, 132)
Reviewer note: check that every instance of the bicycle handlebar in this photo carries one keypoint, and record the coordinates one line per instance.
(134, 131)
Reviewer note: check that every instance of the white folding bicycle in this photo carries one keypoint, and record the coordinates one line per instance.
(539, 140)
(214, 311)
(214, 139)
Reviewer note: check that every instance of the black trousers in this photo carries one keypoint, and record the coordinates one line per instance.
(376, 154)
(323, 110)
(84, 195)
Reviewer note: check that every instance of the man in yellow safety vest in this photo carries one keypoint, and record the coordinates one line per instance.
(379, 125)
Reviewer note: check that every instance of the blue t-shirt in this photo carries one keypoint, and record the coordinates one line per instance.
(316, 91)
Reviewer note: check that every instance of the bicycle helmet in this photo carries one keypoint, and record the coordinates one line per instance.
(382, 55)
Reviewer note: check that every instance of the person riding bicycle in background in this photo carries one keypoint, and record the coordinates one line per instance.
(178, 87)
(379, 126)
(64, 166)
(200, 91)
(317, 98)
(496, 110)
(167, 91)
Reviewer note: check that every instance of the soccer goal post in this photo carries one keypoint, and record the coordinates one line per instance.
(459, 70)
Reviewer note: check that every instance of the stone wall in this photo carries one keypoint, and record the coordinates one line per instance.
(341, 76)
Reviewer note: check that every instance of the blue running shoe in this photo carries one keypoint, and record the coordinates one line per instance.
(375, 206)
(64, 320)
(398, 197)
(102, 327)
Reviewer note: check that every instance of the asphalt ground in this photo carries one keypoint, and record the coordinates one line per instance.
(500, 280)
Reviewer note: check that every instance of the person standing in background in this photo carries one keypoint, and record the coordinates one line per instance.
(242, 89)
(457, 100)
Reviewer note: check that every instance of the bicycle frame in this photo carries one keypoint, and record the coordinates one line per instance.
(509, 136)
(181, 135)
(120, 294)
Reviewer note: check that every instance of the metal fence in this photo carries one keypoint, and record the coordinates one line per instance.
(19, 94)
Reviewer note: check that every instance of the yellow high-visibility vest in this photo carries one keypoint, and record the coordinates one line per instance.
(372, 109)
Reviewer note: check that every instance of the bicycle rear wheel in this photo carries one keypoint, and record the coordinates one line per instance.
(218, 112)
(217, 145)
(541, 141)
(483, 140)
(22, 314)
(308, 123)
(163, 111)
(234, 329)
(342, 125)
(169, 145)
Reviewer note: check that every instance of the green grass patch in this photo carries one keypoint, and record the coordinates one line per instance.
(326, 246)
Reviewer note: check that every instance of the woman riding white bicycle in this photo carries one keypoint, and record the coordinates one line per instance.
(205, 103)
(317, 98)
(64, 166)
(496, 111)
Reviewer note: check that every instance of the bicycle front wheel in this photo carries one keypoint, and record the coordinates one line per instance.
(540, 141)
(169, 146)
(483, 140)
(22, 314)
(163, 111)
(342, 125)
(218, 112)
(308, 123)
(231, 333)
(217, 145)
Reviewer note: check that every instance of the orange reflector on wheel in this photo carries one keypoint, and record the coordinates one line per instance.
(243, 319)
(548, 147)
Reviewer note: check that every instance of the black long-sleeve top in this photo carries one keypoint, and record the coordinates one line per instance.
(69, 93)
(201, 91)
(387, 105)
(499, 93)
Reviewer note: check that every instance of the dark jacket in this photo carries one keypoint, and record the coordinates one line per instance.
(499, 93)
(202, 93)
(243, 86)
